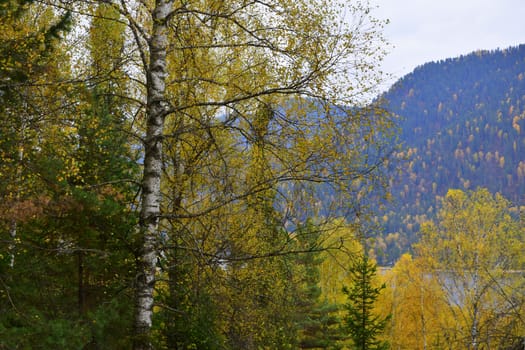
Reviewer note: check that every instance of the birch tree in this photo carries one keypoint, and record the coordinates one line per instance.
(202, 68)
(419, 310)
(474, 252)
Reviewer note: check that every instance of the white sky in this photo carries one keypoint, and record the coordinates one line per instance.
(428, 30)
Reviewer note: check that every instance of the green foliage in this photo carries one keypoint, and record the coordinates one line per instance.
(77, 288)
(25, 47)
(39, 332)
(362, 321)
(66, 263)
(187, 317)
(234, 173)
(318, 321)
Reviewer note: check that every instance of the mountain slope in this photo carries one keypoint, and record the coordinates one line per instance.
(463, 126)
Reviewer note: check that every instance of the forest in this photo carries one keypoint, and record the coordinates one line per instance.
(220, 175)
(460, 123)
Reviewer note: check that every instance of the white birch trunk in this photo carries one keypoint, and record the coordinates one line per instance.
(13, 227)
(151, 191)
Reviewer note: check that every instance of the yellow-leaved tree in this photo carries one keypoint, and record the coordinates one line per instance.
(196, 76)
(419, 308)
(474, 252)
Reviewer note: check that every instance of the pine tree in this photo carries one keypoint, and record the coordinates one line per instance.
(363, 324)
(317, 319)
(70, 208)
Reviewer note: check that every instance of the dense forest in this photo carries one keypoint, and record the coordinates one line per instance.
(160, 165)
(211, 174)
(461, 122)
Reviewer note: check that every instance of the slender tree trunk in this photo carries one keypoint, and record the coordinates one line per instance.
(474, 329)
(151, 195)
(81, 285)
(423, 319)
(13, 227)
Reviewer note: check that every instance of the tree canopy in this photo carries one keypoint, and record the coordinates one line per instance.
(164, 155)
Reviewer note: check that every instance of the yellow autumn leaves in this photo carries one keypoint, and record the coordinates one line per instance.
(464, 289)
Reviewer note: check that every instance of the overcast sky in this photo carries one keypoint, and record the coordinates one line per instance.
(429, 30)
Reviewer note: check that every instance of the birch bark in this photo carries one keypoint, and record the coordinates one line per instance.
(156, 110)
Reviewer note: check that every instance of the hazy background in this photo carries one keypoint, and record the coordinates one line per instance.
(430, 30)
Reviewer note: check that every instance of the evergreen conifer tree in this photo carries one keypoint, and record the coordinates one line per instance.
(362, 323)
(318, 322)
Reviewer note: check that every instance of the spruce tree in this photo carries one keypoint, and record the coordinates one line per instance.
(317, 319)
(363, 324)
(68, 266)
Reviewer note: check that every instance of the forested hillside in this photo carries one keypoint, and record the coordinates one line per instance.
(462, 123)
